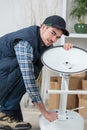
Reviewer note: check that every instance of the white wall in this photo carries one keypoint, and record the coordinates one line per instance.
(16, 14)
(13, 15)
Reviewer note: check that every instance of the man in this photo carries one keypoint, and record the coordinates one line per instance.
(20, 64)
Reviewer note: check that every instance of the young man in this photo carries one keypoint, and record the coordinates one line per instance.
(20, 64)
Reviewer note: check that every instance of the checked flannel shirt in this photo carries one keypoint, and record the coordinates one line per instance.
(24, 54)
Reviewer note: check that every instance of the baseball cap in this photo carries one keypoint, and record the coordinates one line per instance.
(57, 22)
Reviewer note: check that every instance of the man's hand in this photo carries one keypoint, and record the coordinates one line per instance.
(50, 116)
(68, 46)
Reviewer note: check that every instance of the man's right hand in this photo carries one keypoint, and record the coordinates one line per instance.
(50, 116)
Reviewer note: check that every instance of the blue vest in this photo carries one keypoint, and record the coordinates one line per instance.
(9, 69)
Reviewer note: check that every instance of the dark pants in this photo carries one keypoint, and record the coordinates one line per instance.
(10, 97)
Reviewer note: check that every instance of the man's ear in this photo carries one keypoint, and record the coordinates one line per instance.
(43, 26)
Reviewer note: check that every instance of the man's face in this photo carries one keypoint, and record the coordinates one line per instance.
(50, 35)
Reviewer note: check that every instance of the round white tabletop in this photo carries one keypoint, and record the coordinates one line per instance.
(65, 61)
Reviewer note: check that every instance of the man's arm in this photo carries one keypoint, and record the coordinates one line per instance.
(25, 56)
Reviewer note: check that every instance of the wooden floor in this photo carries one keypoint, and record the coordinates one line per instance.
(31, 114)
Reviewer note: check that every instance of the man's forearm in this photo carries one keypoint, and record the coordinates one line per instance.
(41, 108)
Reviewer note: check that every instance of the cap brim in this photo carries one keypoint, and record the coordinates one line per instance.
(65, 32)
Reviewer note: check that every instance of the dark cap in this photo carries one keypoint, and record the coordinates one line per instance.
(57, 22)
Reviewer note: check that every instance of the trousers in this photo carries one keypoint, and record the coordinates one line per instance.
(10, 97)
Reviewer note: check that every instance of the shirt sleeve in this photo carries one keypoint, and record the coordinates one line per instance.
(24, 54)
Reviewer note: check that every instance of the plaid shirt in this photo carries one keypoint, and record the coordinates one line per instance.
(24, 53)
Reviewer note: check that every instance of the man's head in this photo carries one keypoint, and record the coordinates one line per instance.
(57, 22)
(52, 29)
